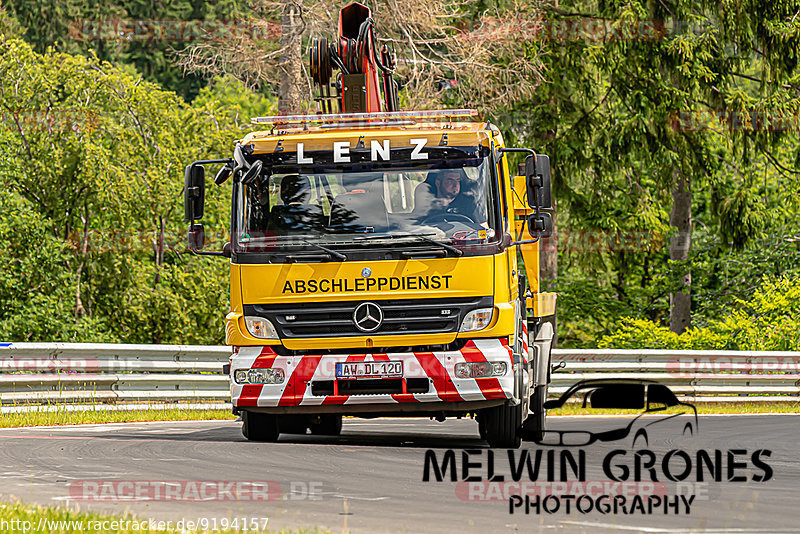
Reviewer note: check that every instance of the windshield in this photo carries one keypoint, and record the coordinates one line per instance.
(294, 208)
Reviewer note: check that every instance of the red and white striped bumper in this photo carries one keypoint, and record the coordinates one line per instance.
(437, 367)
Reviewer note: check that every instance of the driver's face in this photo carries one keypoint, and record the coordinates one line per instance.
(448, 185)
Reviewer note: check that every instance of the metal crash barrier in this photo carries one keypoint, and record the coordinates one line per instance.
(112, 376)
(115, 376)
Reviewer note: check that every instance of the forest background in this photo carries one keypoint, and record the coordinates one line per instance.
(672, 128)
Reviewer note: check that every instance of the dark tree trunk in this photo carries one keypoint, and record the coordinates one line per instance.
(680, 244)
(290, 66)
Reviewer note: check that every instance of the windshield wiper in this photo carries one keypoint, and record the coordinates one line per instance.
(445, 246)
(420, 237)
(388, 236)
(338, 255)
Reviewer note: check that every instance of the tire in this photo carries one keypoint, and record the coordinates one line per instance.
(503, 426)
(293, 424)
(260, 426)
(534, 426)
(328, 425)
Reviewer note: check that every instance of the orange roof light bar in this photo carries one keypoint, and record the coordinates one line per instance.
(359, 117)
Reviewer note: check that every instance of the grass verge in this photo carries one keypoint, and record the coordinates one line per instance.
(64, 417)
(16, 517)
(732, 408)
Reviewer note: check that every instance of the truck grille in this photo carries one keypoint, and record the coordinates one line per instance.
(400, 316)
(378, 386)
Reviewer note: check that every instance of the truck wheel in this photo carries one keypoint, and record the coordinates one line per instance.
(503, 426)
(328, 425)
(293, 424)
(534, 425)
(259, 426)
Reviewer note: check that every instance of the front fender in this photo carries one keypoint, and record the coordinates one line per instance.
(541, 349)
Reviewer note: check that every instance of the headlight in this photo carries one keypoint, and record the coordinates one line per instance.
(480, 369)
(477, 320)
(260, 327)
(259, 376)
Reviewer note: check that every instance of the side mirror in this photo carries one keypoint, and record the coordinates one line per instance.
(537, 178)
(252, 173)
(546, 189)
(194, 192)
(541, 226)
(223, 174)
(196, 236)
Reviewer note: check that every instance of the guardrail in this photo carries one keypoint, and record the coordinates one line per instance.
(699, 375)
(111, 376)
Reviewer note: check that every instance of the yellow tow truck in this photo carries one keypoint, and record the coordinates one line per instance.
(375, 261)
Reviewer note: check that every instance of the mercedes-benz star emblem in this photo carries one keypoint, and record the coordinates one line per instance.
(368, 316)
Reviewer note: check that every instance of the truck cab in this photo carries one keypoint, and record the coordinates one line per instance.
(384, 265)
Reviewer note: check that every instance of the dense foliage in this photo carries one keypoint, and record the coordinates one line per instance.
(638, 94)
(91, 227)
(768, 319)
(109, 30)
(95, 133)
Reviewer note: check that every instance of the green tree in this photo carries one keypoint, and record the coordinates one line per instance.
(767, 320)
(149, 45)
(98, 156)
(36, 290)
(619, 113)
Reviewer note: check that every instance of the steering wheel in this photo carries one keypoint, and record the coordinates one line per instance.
(447, 217)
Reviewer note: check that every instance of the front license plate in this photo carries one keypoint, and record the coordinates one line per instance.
(369, 369)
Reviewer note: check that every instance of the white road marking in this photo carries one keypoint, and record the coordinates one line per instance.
(351, 497)
(628, 416)
(637, 528)
(109, 427)
(125, 425)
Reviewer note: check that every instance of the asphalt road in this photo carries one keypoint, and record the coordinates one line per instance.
(370, 478)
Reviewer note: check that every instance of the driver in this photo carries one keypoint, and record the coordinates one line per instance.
(445, 195)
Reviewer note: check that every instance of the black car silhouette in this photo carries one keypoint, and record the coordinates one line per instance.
(652, 398)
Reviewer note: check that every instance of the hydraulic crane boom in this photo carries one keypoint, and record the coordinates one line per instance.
(364, 83)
